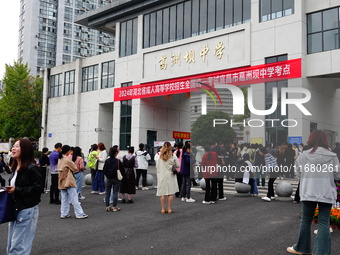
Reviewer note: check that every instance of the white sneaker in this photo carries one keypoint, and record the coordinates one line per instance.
(183, 199)
(190, 200)
(266, 199)
(81, 197)
(272, 198)
(145, 188)
(330, 231)
(82, 216)
(206, 203)
(136, 187)
(223, 198)
(101, 193)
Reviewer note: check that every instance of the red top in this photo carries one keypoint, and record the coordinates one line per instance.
(209, 166)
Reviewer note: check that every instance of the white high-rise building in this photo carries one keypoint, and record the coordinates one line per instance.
(49, 37)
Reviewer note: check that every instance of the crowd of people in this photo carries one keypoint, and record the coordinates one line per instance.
(178, 168)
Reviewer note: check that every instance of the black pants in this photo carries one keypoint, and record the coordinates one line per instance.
(297, 194)
(219, 182)
(140, 172)
(54, 191)
(43, 177)
(210, 190)
(271, 187)
(93, 175)
(115, 184)
(179, 182)
(186, 186)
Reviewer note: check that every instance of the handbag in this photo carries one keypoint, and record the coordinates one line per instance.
(119, 174)
(174, 169)
(7, 209)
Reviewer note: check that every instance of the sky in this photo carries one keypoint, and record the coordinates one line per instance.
(9, 27)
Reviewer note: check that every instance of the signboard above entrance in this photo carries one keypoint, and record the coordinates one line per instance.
(238, 76)
(180, 135)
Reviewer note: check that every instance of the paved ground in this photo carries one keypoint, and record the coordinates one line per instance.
(239, 225)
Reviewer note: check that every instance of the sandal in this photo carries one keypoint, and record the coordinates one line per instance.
(163, 211)
(170, 211)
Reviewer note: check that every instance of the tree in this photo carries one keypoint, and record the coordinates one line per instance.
(20, 103)
(203, 132)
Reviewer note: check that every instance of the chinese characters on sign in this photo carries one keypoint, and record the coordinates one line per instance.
(151, 90)
(239, 76)
(180, 135)
(204, 52)
(190, 56)
(162, 62)
(218, 52)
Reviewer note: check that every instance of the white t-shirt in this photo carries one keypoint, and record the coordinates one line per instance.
(14, 178)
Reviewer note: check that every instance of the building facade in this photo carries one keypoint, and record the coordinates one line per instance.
(141, 92)
(49, 37)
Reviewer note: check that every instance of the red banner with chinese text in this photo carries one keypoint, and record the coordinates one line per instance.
(238, 76)
(180, 135)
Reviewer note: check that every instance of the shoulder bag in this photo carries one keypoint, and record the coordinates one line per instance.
(7, 209)
(119, 174)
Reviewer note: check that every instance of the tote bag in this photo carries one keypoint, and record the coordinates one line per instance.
(7, 210)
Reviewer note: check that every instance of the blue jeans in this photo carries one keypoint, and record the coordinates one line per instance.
(263, 181)
(112, 185)
(79, 181)
(68, 196)
(99, 182)
(21, 231)
(253, 185)
(322, 244)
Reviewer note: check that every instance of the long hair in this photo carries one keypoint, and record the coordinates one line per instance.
(64, 150)
(26, 154)
(166, 151)
(317, 139)
(180, 146)
(76, 153)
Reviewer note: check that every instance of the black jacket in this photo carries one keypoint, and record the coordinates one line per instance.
(111, 166)
(28, 188)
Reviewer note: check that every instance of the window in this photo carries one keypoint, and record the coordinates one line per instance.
(323, 30)
(68, 14)
(108, 74)
(275, 134)
(66, 59)
(128, 37)
(125, 121)
(192, 18)
(69, 83)
(55, 85)
(90, 78)
(274, 9)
